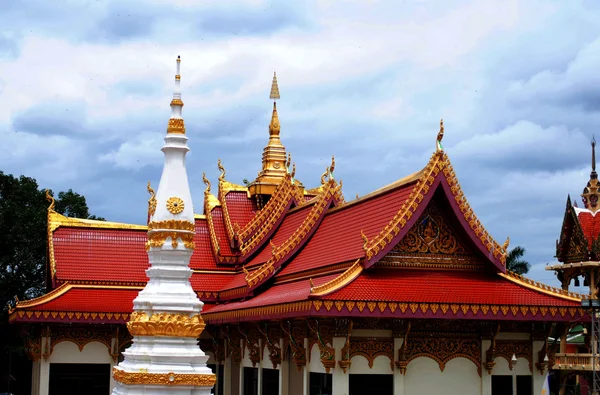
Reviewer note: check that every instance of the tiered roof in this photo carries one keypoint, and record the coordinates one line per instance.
(411, 249)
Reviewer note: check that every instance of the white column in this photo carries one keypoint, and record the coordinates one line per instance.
(538, 378)
(260, 366)
(227, 376)
(242, 368)
(284, 372)
(306, 371)
(341, 380)
(35, 377)
(44, 378)
(398, 377)
(486, 378)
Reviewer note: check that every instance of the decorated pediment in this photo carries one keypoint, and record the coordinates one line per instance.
(433, 241)
(572, 245)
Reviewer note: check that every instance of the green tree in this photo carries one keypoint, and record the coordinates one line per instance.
(515, 262)
(23, 233)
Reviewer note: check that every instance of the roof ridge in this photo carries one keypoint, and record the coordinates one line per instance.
(308, 224)
(56, 220)
(543, 288)
(340, 281)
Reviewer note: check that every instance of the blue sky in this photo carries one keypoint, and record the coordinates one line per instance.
(85, 88)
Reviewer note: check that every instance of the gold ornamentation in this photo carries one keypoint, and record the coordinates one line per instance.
(50, 198)
(296, 336)
(288, 162)
(324, 338)
(168, 379)
(165, 324)
(324, 175)
(342, 280)
(591, 192)
(177, 77)
(440, 136)
(172, 224)
(176, 125)
(206, 182)
(175, 205)
(520, 348)
(158, 239)
(506, 244)
(429, 243)
(222, 170)
(151, 201)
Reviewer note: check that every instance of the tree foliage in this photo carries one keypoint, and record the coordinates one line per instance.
(515, 262)
(23, 233)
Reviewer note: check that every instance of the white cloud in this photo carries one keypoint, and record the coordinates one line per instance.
(142, 150)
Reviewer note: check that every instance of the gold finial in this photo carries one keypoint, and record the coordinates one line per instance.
(50, 198)
(357, 195)
(440, 136)
(206, 182)
(294, 170)
(506, 243)
(272, 246)
(332, 167)
(312, 285)
(222, 170)
(151, 201)
(274, 88)
(364, 238)
(288, 162)
(236, 228)
(324, 175)
(246, 272)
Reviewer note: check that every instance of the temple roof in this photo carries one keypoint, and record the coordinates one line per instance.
(411, 249)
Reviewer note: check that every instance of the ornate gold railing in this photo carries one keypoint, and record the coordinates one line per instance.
(564, 361)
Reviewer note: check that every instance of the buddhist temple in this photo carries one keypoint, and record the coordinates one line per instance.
(578, 253)
(401, 291)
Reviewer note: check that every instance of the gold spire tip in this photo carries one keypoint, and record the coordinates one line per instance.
(274, 88)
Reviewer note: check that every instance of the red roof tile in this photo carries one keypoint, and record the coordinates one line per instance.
(209, 282)
(338, 237)
(396, 285)
(91, 254)
(92, 300)
(590, 224)
(284, 293)
(203, 257)
(241, 209)
(291, 222)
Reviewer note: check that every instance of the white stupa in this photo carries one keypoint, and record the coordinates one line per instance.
(165, 324)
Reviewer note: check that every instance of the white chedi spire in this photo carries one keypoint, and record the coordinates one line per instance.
(166, 322)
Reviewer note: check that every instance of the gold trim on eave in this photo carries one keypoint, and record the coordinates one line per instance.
(168, 379)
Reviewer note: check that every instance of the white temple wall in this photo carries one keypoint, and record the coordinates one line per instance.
(296, 378)
(315, 364)
(502, 367)
(246, 362)
(459, 377)
(68, 352)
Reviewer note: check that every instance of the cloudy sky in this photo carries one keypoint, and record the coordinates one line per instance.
(85, 87)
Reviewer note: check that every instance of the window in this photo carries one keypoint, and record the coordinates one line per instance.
(320, 384)
(79, 378)
(250, 381)
(369, 384)
(270, 381)
(502, 385)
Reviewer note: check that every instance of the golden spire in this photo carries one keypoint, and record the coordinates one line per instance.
(50, 198)
(274, 88)
(275, 161)
(206, 182)
(591, 192)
